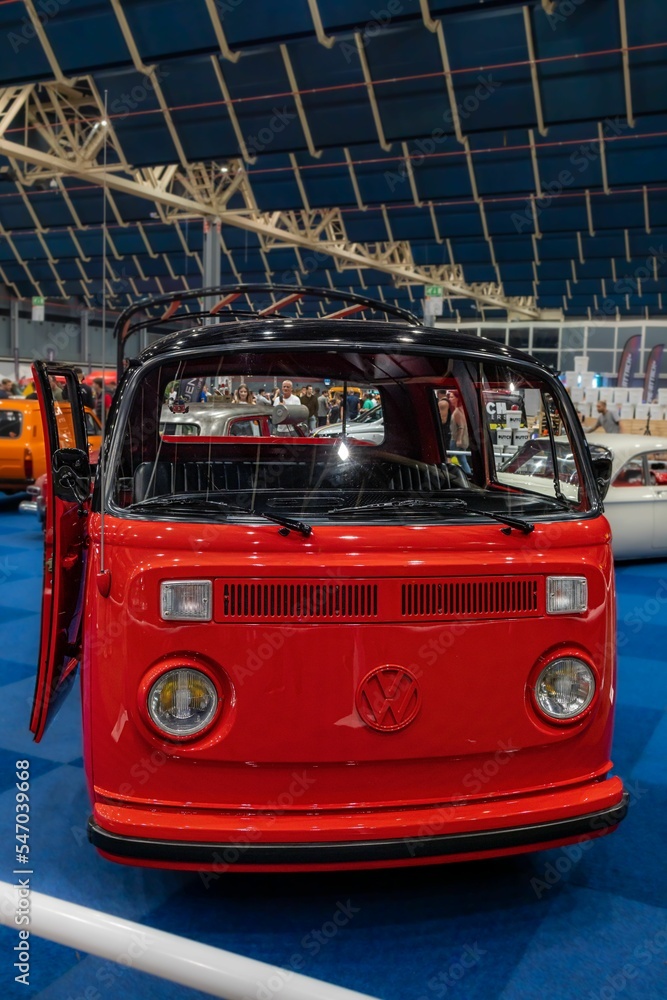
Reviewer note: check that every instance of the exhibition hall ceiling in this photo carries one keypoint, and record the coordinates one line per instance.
(512, 154)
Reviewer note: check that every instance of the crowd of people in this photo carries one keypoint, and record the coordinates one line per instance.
(94, 396)
(325, 406)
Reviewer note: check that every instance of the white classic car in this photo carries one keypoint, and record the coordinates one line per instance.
(636, 503)
(368, 426)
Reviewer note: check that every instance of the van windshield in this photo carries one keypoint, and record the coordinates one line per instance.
(401, 435)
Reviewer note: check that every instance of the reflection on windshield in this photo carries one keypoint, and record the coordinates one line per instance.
(261, 441)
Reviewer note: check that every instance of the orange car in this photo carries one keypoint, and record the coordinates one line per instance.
(22, 450)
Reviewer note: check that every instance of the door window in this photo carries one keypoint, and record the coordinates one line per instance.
(632, 474)
(10, 423)
(657, 467)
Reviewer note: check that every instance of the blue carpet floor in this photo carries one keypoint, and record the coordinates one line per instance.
(598, 929)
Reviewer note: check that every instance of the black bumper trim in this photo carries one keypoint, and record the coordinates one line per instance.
(355, 851)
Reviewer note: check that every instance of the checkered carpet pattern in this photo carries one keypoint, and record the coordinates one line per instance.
(588, 924)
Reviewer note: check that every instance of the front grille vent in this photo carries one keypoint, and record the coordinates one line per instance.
(489, 598)
(299, 600)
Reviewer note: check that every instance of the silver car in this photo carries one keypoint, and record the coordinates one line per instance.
(368, 426)
(233, 420)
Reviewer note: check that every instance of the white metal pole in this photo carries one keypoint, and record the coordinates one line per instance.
(180, 960)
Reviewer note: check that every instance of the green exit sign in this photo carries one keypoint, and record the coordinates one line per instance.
(37, 300)
(433, 291)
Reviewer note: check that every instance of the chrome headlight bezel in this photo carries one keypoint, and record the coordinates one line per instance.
(554, 673)
(189, 675)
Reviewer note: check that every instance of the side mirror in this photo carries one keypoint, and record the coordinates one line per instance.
(602, 469)
(71, 474)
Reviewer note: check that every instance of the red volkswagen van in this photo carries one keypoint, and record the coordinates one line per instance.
(311, 652)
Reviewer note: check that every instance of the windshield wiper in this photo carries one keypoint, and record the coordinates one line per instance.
(288, 523)
(193, 503)
(189, 502)
(512, 522)
(438, 505)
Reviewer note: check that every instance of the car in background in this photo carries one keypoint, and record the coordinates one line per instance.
(22, 448)
(233, 420)
(368, 426)
(636, 503)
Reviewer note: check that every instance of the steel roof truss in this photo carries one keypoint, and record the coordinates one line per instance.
(371, 92)
(355, 184)
(296, 94)
(328, 41)
(220, 33)
(533, 71)
(12, 101)
(276, 227)
(627, 82)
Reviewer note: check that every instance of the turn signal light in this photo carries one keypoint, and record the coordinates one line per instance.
(186, 600)
(567, 595)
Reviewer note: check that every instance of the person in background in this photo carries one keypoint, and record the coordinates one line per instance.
(459, 430)
(445, 410)
(103, 395)
(368, 402)
(244, 395)
(607, 420)
(6, 388)
(352, 405)
(286, 395)
(334, 412)
(309, 400)
(55, 389)
(85, 391)
(322, 408)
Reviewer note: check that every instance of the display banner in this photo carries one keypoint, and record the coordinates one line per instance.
(629, 361)
(190, 389)
(652, 376)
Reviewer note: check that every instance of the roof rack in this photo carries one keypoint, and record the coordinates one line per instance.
(224, 296)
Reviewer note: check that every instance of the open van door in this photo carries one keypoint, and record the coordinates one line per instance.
(67, 496)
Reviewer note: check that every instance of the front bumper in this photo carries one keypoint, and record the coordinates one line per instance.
(269, 849)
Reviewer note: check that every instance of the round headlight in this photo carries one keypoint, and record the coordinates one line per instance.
(182, 702)
(565, 688)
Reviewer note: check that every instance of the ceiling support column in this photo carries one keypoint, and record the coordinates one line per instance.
(14, 332)
(211, 259)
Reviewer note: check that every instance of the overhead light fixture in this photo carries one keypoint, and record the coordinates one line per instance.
(224, 170)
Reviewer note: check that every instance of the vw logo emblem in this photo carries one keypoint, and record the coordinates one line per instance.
(388, 698)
